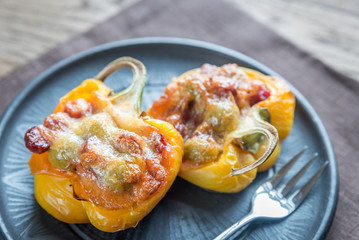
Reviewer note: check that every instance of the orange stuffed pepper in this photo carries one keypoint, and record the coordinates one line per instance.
(232, 121)
(95, 159)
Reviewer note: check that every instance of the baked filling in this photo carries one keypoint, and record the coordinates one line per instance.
(206, 105)
(117, 166)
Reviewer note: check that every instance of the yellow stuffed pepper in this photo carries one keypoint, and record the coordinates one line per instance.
(96, 160)
(232, 121)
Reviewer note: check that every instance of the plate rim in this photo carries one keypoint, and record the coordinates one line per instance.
(316, 121)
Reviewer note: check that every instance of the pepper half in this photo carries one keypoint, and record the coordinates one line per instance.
(232, 120)
(95, 159)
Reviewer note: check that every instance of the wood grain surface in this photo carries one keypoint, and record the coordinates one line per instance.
(329, 29)
(326, 28)
(29, 28)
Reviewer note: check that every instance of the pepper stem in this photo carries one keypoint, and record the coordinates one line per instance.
(130, 98)
(261, 127)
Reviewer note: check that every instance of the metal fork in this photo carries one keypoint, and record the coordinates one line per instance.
(272, 202)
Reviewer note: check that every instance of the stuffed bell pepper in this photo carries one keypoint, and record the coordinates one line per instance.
(95, 159)
(232, 121)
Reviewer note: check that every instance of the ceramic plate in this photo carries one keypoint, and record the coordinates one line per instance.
(186, 212)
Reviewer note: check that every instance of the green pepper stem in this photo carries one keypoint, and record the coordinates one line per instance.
(269, 131)
(130, 98)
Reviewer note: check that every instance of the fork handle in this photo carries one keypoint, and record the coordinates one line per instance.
(237, 226)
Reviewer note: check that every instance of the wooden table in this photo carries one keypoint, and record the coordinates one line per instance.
(329, 29)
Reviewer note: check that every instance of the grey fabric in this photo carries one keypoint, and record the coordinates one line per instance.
(334, 96)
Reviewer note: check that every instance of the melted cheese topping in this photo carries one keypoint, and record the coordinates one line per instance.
(205, 105)
(118, 157)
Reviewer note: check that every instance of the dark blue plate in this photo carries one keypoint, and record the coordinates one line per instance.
(186, 212)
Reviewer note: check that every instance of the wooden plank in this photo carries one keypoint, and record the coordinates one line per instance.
(30, 28)
(326, 28)
(329, 29)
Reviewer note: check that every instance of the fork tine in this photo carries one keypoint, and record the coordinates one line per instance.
(298, 196)
(278, 176)
(285, 189)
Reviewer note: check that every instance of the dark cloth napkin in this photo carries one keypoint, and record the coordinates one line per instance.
(334, 96)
